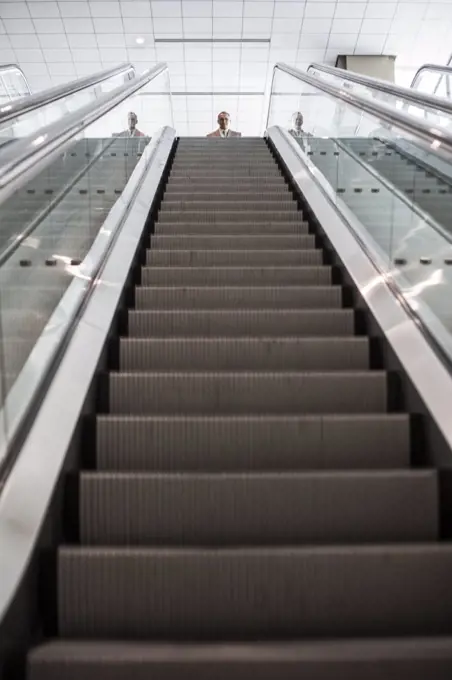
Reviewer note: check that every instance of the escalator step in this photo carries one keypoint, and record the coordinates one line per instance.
(247, 392)
(230, 276)
(294, 508)
(172, 206)
(415, 658)
(223, 227)
(238, 297)
(235, 593)
(244, 354)
(235, 443)
(264, 322)
(236, 217)
(167, 258)
(233, 242)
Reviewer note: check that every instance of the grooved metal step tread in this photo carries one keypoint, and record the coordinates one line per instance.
(248, 392)
(219, 276)
(407, 658)
(198, 258)
(308, 508)
(244, 443)
(175, 194)
(206, 228)
(233, 242)
(241, 185)
(237, 297)
(233, 216)
(236, 323)
(329, 591)
(282, 354)
(289, 205)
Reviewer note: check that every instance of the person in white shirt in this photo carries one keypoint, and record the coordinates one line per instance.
(297, 125)
(132, 130)
(224, 131)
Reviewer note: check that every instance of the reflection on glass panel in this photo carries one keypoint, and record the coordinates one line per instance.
(53, 233)
(394, 189)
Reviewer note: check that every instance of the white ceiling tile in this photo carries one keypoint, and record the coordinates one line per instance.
(57, 55)
(346, 26)
(370, 44)
(197, 8)
(316, 26)
(147, 56)
(228, 26)
(136, 9)
(25, 56)
(263, 25)
(380, 10)
(63, 69)
(74, 9)
(258, 9)
(350, 10)
(310, 55)
(171, 53)
(18, 26)
(48, 25)
(7, 56)
(376, 26)
(199, 26)
(286, 25)
(193, 68)
(87, 69)
(406, 25)
(166, 8)
(342, 41)
(55, 40)
(255, 53)
(111, 40)
(231, 9)
(398, 42)
(319, 10)
(38, 83)
(131, 40)
(330, 57)
(176, 68)
(40, 10)
(78, 25)
(5, 42)
(219, 71)
(289, 9)
(406, 10)
(439, 10)
(109, 25)
(82, 40)
(167, 26)
(316, 41)
(114, 54)
(432, 30)
(106, 9)
(89, 54)
(26, 41)
(38, 68)
(285, 40)
(278, 54)
(2, 27)
(14, 10)
(198, 52)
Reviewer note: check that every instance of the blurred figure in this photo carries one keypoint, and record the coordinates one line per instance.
(223, 131)
(297, 125)
(132, 130)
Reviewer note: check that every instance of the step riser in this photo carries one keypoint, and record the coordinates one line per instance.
(230, 276)
(318, 354)
(236, 242)
(262, 258)
(192, 298)
(324, 592)
(219, 510)
(234, 393)
(229, 228)
(230, 216)
(217, 206)
(336, 323)
(252, 443)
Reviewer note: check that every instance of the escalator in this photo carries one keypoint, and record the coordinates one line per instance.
(253, 483)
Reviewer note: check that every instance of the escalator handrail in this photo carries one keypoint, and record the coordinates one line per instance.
(27, 156)
(440, 138)
(420, 99)
(436, 68)
(33, 102)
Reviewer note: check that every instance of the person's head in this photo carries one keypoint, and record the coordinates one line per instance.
(298, 120)
(223, 120)
(132, 120)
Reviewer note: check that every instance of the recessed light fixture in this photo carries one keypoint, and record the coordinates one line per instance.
(139, 41)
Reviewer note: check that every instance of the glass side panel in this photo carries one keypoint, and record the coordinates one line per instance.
(54, 232)
(394, 191)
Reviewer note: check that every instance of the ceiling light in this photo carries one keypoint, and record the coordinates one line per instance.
(139, 41)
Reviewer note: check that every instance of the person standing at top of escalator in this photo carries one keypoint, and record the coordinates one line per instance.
(224, 131)
(132, 130)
